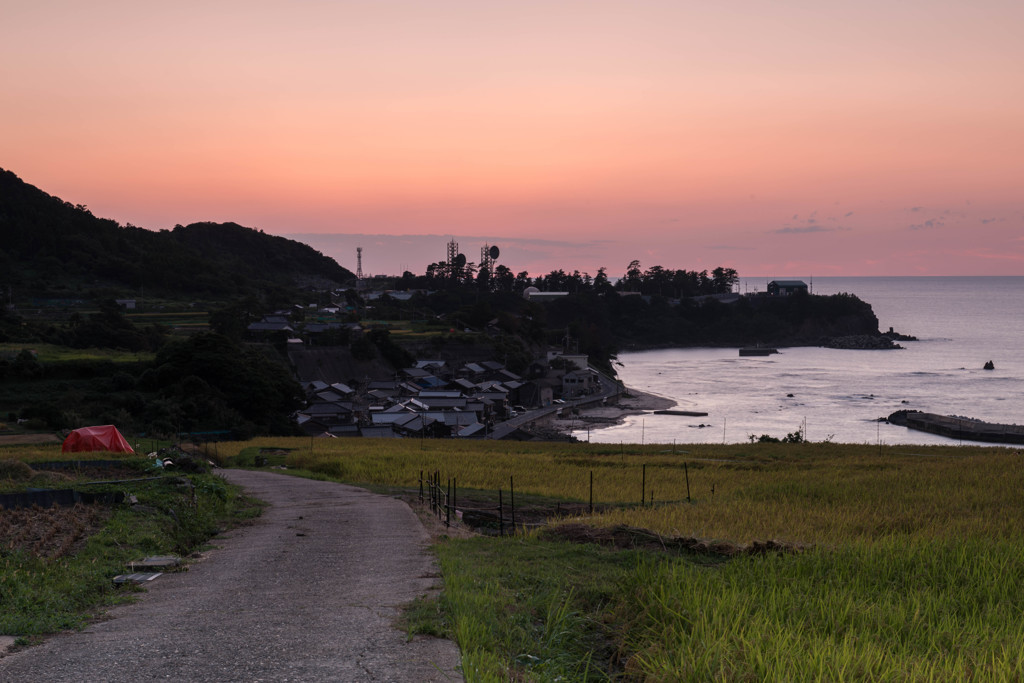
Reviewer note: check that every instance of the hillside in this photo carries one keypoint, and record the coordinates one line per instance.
(51, 248)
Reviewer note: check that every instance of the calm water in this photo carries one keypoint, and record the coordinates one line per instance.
(960, 322)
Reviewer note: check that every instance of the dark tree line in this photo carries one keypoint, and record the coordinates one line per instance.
(655, 281)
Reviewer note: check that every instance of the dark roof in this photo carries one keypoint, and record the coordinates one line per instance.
(379, 432)
(475, 429)
(434, 403)
(344, 430)
(327, 409)
(269, 327)
(323, 327)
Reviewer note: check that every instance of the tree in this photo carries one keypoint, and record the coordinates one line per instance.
(238, 380)
(602, 285)
(503, 279)
(723, 279)
(522, 281)
(232, 320)
(633, 282)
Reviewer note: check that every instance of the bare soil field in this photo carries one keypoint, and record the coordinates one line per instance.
(52, 532)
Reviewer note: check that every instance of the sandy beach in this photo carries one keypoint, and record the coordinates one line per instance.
(633, 402)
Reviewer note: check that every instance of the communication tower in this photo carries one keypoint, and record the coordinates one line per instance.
(488, 255)
(359, 263)
(453, 254)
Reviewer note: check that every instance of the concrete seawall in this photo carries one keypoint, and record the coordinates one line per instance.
(959, 427)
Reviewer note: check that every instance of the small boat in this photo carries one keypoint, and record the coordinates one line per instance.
(757, 351)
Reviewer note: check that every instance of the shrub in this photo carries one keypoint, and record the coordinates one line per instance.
(15, 470)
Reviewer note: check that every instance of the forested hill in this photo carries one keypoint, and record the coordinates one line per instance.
(53, 248)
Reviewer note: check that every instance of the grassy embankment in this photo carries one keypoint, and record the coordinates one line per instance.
(907, 563)
(57, 565)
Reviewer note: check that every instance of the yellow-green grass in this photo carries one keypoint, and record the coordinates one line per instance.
(801, 493)
(51, 353)
(896, 609)
(913, 567)
(43, 453)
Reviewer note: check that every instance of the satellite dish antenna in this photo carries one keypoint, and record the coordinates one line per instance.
(460, 260)
(495, 252)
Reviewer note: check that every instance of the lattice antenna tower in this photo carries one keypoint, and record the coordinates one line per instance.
(453, 253)
(486, 260)
(359, 263)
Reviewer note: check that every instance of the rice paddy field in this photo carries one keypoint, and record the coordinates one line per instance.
(896, 563)
(51, 353)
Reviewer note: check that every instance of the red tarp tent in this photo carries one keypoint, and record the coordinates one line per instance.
(102, 438)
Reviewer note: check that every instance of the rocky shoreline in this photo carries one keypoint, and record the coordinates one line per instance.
(632, 402)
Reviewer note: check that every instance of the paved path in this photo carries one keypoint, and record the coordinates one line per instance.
(310, 592)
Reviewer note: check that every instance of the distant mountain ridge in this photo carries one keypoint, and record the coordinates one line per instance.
(53, 248)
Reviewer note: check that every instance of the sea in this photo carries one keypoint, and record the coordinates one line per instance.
(839, 395)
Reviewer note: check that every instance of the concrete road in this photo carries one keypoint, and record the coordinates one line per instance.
(310, 592)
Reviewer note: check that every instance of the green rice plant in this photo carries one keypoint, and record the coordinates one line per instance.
(885, 610)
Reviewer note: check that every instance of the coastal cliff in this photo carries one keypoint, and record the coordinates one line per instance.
(835, 321)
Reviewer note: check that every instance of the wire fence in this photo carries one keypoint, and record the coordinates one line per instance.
(441, 496)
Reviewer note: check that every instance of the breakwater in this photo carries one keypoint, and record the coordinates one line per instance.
(956, 427)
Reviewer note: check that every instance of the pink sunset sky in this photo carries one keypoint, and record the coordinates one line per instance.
(777, 138)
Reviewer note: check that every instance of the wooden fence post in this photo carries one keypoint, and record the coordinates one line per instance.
(687, 471)
(512, 496)
(591, 491)
(501, 516)
(643, 485)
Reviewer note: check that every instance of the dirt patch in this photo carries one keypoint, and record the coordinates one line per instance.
(50, 532)
(630, 538)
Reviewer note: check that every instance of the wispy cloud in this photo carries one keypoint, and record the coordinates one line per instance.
(801, 229)
(814, 227)
(927, 225)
